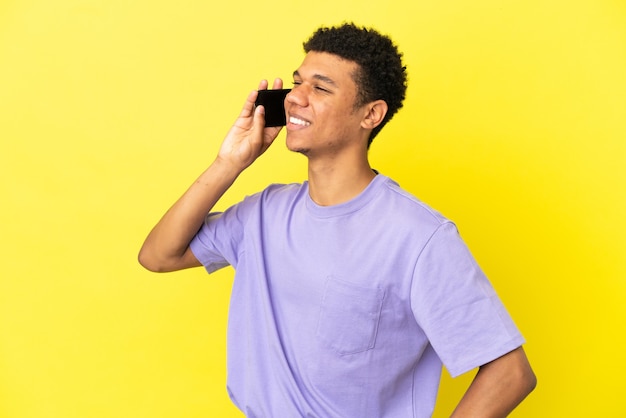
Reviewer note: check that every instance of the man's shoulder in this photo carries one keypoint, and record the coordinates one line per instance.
(281, 191)
(273, 194)
(405, 205)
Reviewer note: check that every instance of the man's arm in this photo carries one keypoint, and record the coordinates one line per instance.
(499, 386)
(167, 246)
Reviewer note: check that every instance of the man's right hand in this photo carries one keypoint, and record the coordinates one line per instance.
(249, 138)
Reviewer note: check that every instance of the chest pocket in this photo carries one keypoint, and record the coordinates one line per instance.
(349, 316)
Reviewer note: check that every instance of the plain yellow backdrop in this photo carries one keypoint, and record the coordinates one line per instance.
(514, 127)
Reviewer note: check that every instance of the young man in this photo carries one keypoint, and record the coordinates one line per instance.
(349, 293)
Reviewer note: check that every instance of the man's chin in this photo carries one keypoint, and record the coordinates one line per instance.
(303, 151)
(299, 150)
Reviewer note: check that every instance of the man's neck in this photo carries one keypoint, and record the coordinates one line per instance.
(335, 182)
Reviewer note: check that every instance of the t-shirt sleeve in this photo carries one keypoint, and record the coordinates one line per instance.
(456, 306)
(217, 243)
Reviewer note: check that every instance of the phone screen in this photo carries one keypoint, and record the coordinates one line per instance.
(274, 103)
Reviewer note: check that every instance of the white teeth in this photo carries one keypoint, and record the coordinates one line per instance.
(297, 121)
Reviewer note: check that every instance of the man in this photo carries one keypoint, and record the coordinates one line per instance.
(349, 293)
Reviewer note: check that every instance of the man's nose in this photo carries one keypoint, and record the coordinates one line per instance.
(297, 96)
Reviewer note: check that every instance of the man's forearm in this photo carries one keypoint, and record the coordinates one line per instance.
(498, 387)
(166, 246)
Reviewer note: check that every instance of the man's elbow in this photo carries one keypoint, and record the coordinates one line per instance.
(159, 262)
(528, 379)
(149, 262)
(523, 375)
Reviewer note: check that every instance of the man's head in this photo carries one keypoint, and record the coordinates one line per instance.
(380, 74)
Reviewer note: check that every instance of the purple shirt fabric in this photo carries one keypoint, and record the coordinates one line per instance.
(349, 310)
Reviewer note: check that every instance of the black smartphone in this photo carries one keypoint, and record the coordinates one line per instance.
(274, 103)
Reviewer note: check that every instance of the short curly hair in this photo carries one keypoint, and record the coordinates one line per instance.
(381, 74)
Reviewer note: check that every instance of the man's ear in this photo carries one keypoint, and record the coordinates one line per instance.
(376, 112)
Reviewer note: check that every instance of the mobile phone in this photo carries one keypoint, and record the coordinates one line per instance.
(274, 103)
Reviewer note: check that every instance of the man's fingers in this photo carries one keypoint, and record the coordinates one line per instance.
(259, 118)
(249, 110)
(278, 84)
(263, 84)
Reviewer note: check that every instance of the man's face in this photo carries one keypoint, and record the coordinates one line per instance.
(321, 114)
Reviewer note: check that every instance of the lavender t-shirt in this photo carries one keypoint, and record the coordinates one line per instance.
(349, 310)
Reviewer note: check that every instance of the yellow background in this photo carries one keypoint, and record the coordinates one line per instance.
(514, 127)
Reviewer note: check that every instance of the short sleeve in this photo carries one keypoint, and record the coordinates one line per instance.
(204, 248)
(218, 242)
(456, 306)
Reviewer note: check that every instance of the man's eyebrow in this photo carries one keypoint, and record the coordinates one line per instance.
(319, 77)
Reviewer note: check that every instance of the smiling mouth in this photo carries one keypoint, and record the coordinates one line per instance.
(299, 122)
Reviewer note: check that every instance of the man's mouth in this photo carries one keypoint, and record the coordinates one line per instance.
(298, 121)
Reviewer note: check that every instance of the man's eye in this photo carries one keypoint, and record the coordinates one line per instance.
(322, 89)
